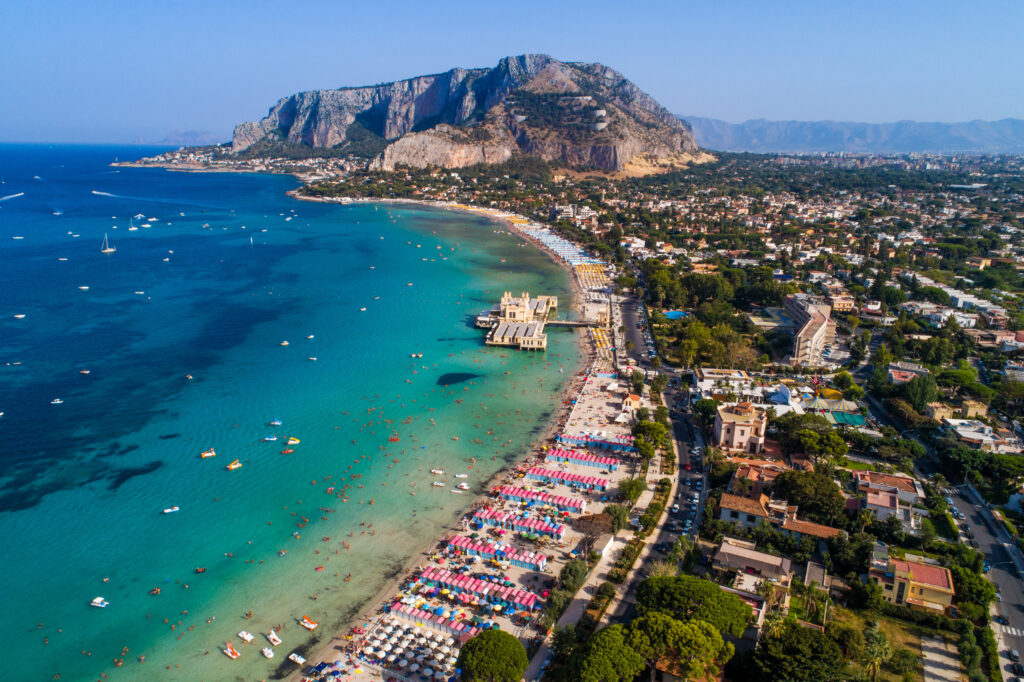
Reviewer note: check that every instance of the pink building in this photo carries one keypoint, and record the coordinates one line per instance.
(740, 428)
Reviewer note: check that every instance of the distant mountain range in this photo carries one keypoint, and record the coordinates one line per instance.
(570, 112)
(994, 137)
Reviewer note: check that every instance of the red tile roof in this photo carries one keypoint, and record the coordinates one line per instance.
(935, 576)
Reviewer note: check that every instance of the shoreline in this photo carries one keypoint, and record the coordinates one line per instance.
(555, 422)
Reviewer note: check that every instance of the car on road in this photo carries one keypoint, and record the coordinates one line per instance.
(675, 508)
(999, 619)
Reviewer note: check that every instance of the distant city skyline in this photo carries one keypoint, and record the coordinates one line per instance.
(121, 72)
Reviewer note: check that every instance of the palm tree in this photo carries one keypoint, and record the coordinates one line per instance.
(877, 650)
(766, 590)
(774, 623)
(865, 517)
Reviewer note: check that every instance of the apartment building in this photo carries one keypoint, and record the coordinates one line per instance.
(815, 328)
(740, 428)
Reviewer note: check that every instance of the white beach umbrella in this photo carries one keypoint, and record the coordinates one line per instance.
(380, 653)
(368, 650)
(446, 649)
(438, 656)
(388, 647)
(452, 660)
(449, 641)
(414, 667)
(402, 663)
(391, 658)
(439, 675)
(399, 650)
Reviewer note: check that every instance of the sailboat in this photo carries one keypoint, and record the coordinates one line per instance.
(107, 248)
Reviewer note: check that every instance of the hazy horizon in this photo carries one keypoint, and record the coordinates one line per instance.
(107, 73)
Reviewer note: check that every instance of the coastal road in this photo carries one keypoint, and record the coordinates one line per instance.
(1007, 564)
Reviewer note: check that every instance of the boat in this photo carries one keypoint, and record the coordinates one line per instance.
(234, 465)
(461, 475)
(269, 439)
(56, 401)
(267, 652)
(107, 248)
(246, 637)
(393, 439)
(155, 591)
(437, 484)
(312, 358)
(83, 371)
(200, 569)
(84, 288)
(287, 451)
(284, 343)
(208, 453)
(171, 510)
(463, 486)
(292, 440)
(310, 336)
(19, 316)
(230, 652)
(275, 422)
(419, 355)
(439, 472)
(295, 658)
(273, 638)
(362, 310)
(100, 603)
(308, 623)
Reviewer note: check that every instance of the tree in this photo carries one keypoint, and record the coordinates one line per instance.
(492, 656)
(970, 587)
(927, 533)
(696, 648)
(877, 650)
(619, 514)
(842, 380)
(632, 489)
(573, 574)
(607, 658)
(920, 391)
(849, 638)
(817, 494)
(637, 380)
(688, 598)
(592, 527)
(854, 392)
(798, 653)
(565, 642)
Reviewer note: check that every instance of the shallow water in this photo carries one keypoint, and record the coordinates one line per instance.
(83, 483)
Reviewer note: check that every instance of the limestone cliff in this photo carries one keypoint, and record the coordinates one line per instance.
(578, 114)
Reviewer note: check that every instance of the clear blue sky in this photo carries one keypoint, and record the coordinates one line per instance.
(86, 71)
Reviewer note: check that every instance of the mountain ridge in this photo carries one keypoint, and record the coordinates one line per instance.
(570, 112)
(1005, 136)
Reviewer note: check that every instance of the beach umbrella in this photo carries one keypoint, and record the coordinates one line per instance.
(446, 648)
(402, 663)
(428, 672)
(380, 653)
(368, 650)
(452, 660)
(389, 629)
(449, 641)
(399, 650)
(391, 658)
(388, 647)
(439, 675)
(439, 656)
(414, 667)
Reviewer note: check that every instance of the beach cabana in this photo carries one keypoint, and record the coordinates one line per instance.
(613, 443)
(519, 523)
(582, 459)
(560, 502)
(573, 480)
(535, 561)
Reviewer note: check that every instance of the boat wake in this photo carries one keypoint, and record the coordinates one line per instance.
(104, 194)
(12, 196)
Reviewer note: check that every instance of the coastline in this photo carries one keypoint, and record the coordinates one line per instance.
(371, 608)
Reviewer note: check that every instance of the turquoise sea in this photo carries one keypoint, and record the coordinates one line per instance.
(228, 269)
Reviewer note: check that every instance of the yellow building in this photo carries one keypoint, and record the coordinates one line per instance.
(973, 408)
(920, 586)
(939, 411)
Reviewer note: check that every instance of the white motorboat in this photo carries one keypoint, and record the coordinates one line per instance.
(246, 637)
(461, 475)
(267, 652)
(439, 472)
(437, 484)
(56, 401)
(171, 510)
(463, 486)
(100, 603)
(273, 638)
(295, 658)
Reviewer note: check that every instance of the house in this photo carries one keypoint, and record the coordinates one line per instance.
(905, 487)
(939, 411)
(631, 402)
(980, 436)
(973, 408)
(740, 555)
(740, 428)
(743, 510)
(921, 586)
(902, 372)
(885, 504)
(800, 528)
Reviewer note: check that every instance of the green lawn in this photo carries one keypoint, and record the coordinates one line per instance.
(854, 465)
(901, 635)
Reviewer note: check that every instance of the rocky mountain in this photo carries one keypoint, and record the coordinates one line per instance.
(575, 113)
(994, 137)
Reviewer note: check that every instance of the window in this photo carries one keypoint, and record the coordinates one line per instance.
(889, 587)
(734, 514)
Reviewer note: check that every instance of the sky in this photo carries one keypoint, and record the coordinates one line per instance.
(101, 71)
